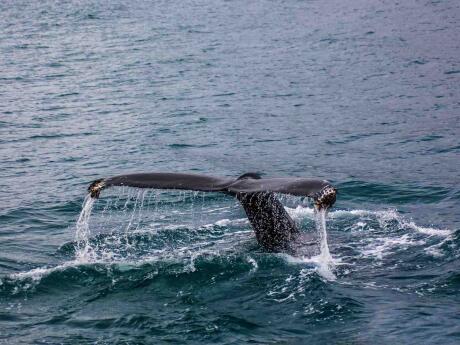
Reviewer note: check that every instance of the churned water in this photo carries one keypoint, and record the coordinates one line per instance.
(362, 93)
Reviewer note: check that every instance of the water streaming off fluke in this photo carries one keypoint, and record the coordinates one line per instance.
(82, 232)
(89, 249)
(324, 259)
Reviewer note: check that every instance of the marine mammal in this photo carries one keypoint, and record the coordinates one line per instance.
(274, 229)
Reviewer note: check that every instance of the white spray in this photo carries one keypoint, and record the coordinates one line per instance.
(324, 259)
(82, 232)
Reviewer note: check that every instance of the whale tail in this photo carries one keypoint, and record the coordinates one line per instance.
(321, 191)
(274, 228)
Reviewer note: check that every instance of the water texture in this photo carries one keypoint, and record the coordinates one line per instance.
(365, 94)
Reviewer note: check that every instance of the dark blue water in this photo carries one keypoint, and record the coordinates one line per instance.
(363, 93)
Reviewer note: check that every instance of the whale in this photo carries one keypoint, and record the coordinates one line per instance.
(274, 229)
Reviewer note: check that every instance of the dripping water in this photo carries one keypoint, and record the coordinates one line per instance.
(82, 232)
(324, 259)
(85, 251)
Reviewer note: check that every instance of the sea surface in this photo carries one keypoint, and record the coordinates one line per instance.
(365, 94)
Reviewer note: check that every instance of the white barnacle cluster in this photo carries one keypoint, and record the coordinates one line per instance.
(96, 187)
(325, 197)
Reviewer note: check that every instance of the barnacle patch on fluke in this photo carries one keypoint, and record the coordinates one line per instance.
(325, 198)
(96, 187)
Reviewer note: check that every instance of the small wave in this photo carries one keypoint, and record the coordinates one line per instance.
(37, 274)
(226, 222)
(166, 262)
(392, 215)
(381, 247)
(428, 231)
(383, 217)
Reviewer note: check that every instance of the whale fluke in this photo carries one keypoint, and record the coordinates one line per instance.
(274, 228)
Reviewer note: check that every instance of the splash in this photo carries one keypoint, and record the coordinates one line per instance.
(324, 264)
(324, 259)
(144, 230)
(86, 252)
(82, 233)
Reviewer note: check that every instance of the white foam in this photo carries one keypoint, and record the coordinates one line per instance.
(428, 231)
(318, 263)
(435, 250)
(37, 274)
(211, 210)
(254, 264)
(223, 222)
(381, 247)
(226, 222)
(383, 217)
(300, 212)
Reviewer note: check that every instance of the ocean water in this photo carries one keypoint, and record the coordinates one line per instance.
(365, 94)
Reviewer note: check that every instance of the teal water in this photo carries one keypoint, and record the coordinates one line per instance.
(362, 93)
